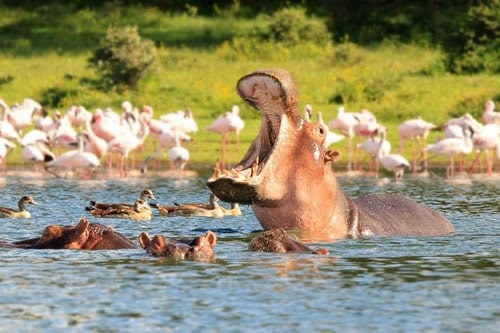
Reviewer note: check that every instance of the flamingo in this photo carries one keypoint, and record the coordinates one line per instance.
(486, 140)
(489, 115)
(416, 130)
(5, 147)
(74, 159)
(64, 136)
(224, 124)
(78, 115)
(178, 155)
(37, 152)
(167, 138)
(395, 163)
(44, 122)
(21, 116)
(345, 123)
(181, 119)
(7, 130)
(452, 147)
(96, 145)
(127, 142)
(371, 146)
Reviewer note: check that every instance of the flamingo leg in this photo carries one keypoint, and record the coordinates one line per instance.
(349, 153)
(473, 164)
(223, 151)
(414, 156)
(489, 163)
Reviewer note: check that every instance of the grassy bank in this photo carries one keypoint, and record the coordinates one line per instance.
(201, 59)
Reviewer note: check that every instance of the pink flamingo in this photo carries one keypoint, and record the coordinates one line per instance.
(489, 115)
(452, 147)
(74, 160)
(78, 115)
(5, 147)
(485, 141)
(395, 163)
(417, 131)
(21, 116)
(223, 125)
(178, 155)
(127, 142)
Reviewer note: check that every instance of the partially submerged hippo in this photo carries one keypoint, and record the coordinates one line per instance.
(200, 248)
(286, 176)
(278, 240)
(82, 236)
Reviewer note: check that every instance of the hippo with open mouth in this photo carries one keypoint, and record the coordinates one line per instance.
(287, 177)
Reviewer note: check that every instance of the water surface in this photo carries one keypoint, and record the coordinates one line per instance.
(402, 284)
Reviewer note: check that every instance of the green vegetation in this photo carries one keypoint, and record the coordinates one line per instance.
(123, 58)
(44, 55)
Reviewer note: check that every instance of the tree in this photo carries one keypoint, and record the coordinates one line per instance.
(123, 58)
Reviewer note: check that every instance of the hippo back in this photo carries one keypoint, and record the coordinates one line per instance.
(102, 237)
(396, 215)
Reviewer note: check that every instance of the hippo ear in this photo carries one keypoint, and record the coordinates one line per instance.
(271, 91)
(331, 156)
(211, 238)
(82, 225)
(50, 232)
(144, 240)
(157, 245)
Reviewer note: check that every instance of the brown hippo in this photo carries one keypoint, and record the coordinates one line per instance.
(84, 236)
(278, 240)
(287, 177)
(200, 248)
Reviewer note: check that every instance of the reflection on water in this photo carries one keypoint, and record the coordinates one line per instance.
(377, 283)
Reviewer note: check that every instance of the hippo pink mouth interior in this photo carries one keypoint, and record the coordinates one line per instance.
(240, 183)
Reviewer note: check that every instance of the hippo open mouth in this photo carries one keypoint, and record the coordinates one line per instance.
(273, 92)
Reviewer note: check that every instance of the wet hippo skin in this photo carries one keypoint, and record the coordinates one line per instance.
(279, 241)
(287, 176)
(82, 236)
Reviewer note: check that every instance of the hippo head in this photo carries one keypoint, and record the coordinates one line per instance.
(278, 240)
(200, 248)
(63, 237)
(83, 236)
(285, 165)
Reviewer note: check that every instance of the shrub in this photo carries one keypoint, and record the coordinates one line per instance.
(479, 50)
(292, 26)
(123, 58)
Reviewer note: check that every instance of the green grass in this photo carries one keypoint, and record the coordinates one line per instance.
(201, 59)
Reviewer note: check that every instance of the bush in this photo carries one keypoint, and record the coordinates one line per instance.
(479, 50)
(292, 26)
(123, 58)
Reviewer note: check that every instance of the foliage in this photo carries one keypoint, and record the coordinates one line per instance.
(480, 50)
(291, 26)
(123, 58)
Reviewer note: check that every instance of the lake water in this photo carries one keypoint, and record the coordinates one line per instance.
(376, 284)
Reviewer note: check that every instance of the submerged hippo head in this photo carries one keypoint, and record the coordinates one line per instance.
(286, 165)
(278, 240)
(84, 235)
(200, 248)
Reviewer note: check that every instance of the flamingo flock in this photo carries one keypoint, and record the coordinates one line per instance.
(81, 141)
(463, 136)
